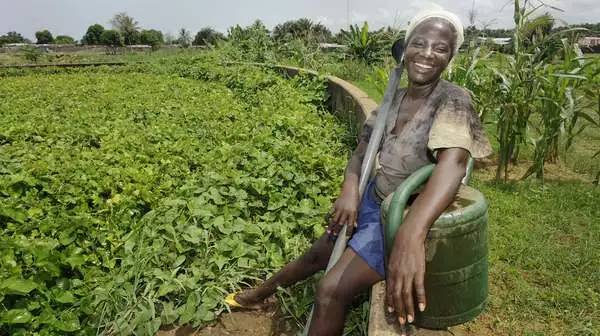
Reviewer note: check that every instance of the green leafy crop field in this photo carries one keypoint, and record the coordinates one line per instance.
(135, 199)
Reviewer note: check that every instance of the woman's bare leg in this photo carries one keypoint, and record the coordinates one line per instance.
(314, 260)
(349, 277)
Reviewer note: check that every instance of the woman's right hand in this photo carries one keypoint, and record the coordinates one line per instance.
(344, 211)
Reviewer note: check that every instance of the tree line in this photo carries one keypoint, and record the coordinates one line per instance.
(125, 30)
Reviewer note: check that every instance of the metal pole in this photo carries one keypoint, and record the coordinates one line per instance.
(348, 13)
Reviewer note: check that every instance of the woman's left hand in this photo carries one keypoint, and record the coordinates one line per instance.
(405, 276)
(406, 266)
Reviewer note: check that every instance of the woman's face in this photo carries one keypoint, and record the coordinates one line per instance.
(429, 51)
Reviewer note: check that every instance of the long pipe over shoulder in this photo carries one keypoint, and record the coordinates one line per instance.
(371, 153)
(367, 165)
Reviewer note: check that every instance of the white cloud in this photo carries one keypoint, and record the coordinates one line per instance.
(324, 20)
(357, 18)
(384, 13)
(27, 16)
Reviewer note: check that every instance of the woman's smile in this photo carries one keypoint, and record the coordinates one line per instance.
(428, 52)
(423, 67)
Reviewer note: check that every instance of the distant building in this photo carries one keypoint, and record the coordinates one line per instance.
(494, 40)
(589, 41)
(331, 46)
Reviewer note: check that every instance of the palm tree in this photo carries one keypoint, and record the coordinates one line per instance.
(185, 38)
(208, 37)
(362, 44)
(127, 26)
(303, 29)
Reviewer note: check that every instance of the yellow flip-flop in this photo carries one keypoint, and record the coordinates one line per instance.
(233, 303)
(230, 300)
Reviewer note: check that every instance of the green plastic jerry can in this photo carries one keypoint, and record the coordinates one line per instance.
(456, 280)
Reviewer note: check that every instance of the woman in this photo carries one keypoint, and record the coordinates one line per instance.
(431, 121)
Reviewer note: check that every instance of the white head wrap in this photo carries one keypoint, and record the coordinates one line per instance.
(438, 12)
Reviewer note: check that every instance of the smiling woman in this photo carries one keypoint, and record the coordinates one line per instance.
(430, 121)
(429, 50)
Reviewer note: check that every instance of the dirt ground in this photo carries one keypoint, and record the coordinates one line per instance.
(256, 323)
(253, 323)
(486, 168)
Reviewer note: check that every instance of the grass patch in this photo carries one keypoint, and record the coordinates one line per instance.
(544, 257)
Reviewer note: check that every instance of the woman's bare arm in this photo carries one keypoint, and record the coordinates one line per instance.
(406, 267)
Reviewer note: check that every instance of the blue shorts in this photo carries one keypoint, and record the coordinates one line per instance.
(367, 240)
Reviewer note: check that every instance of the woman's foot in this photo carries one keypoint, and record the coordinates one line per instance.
(252, 299)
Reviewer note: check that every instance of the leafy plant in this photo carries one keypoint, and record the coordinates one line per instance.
(302, 29)
(252, 43)
(536, 92)
(152, 37)
(64, 39)
(470, 72)
(185, 38)
(11, 37)
(113, 40)
(208, 37)
(126, 208)
(30, 53)
(127, 26)
(44, 37)
(362, 44)
(93, 35)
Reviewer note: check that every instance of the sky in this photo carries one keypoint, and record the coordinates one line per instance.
(72, 17)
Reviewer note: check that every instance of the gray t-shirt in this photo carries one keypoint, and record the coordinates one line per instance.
(446, 119)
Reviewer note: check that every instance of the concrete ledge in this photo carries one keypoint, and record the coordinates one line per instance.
(382, 323)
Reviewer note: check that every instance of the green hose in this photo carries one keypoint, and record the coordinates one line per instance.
(395, 214)
(398, 203)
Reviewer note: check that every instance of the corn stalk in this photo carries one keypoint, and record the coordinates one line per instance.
(539, 95)
(467, 71)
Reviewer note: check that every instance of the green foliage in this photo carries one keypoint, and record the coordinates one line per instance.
(30, 53)
(363, 45)
(471, 71)
(185, 38)
(208, 37)
(544, 250)
(11, 37)
(256, 29)
(137, 197)
(151, 37)
(112, 39)
(127, 27)
(64, 39)
(44, 37)
(252, 43)
(535, 92)
(93, 35)
(303, 29)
